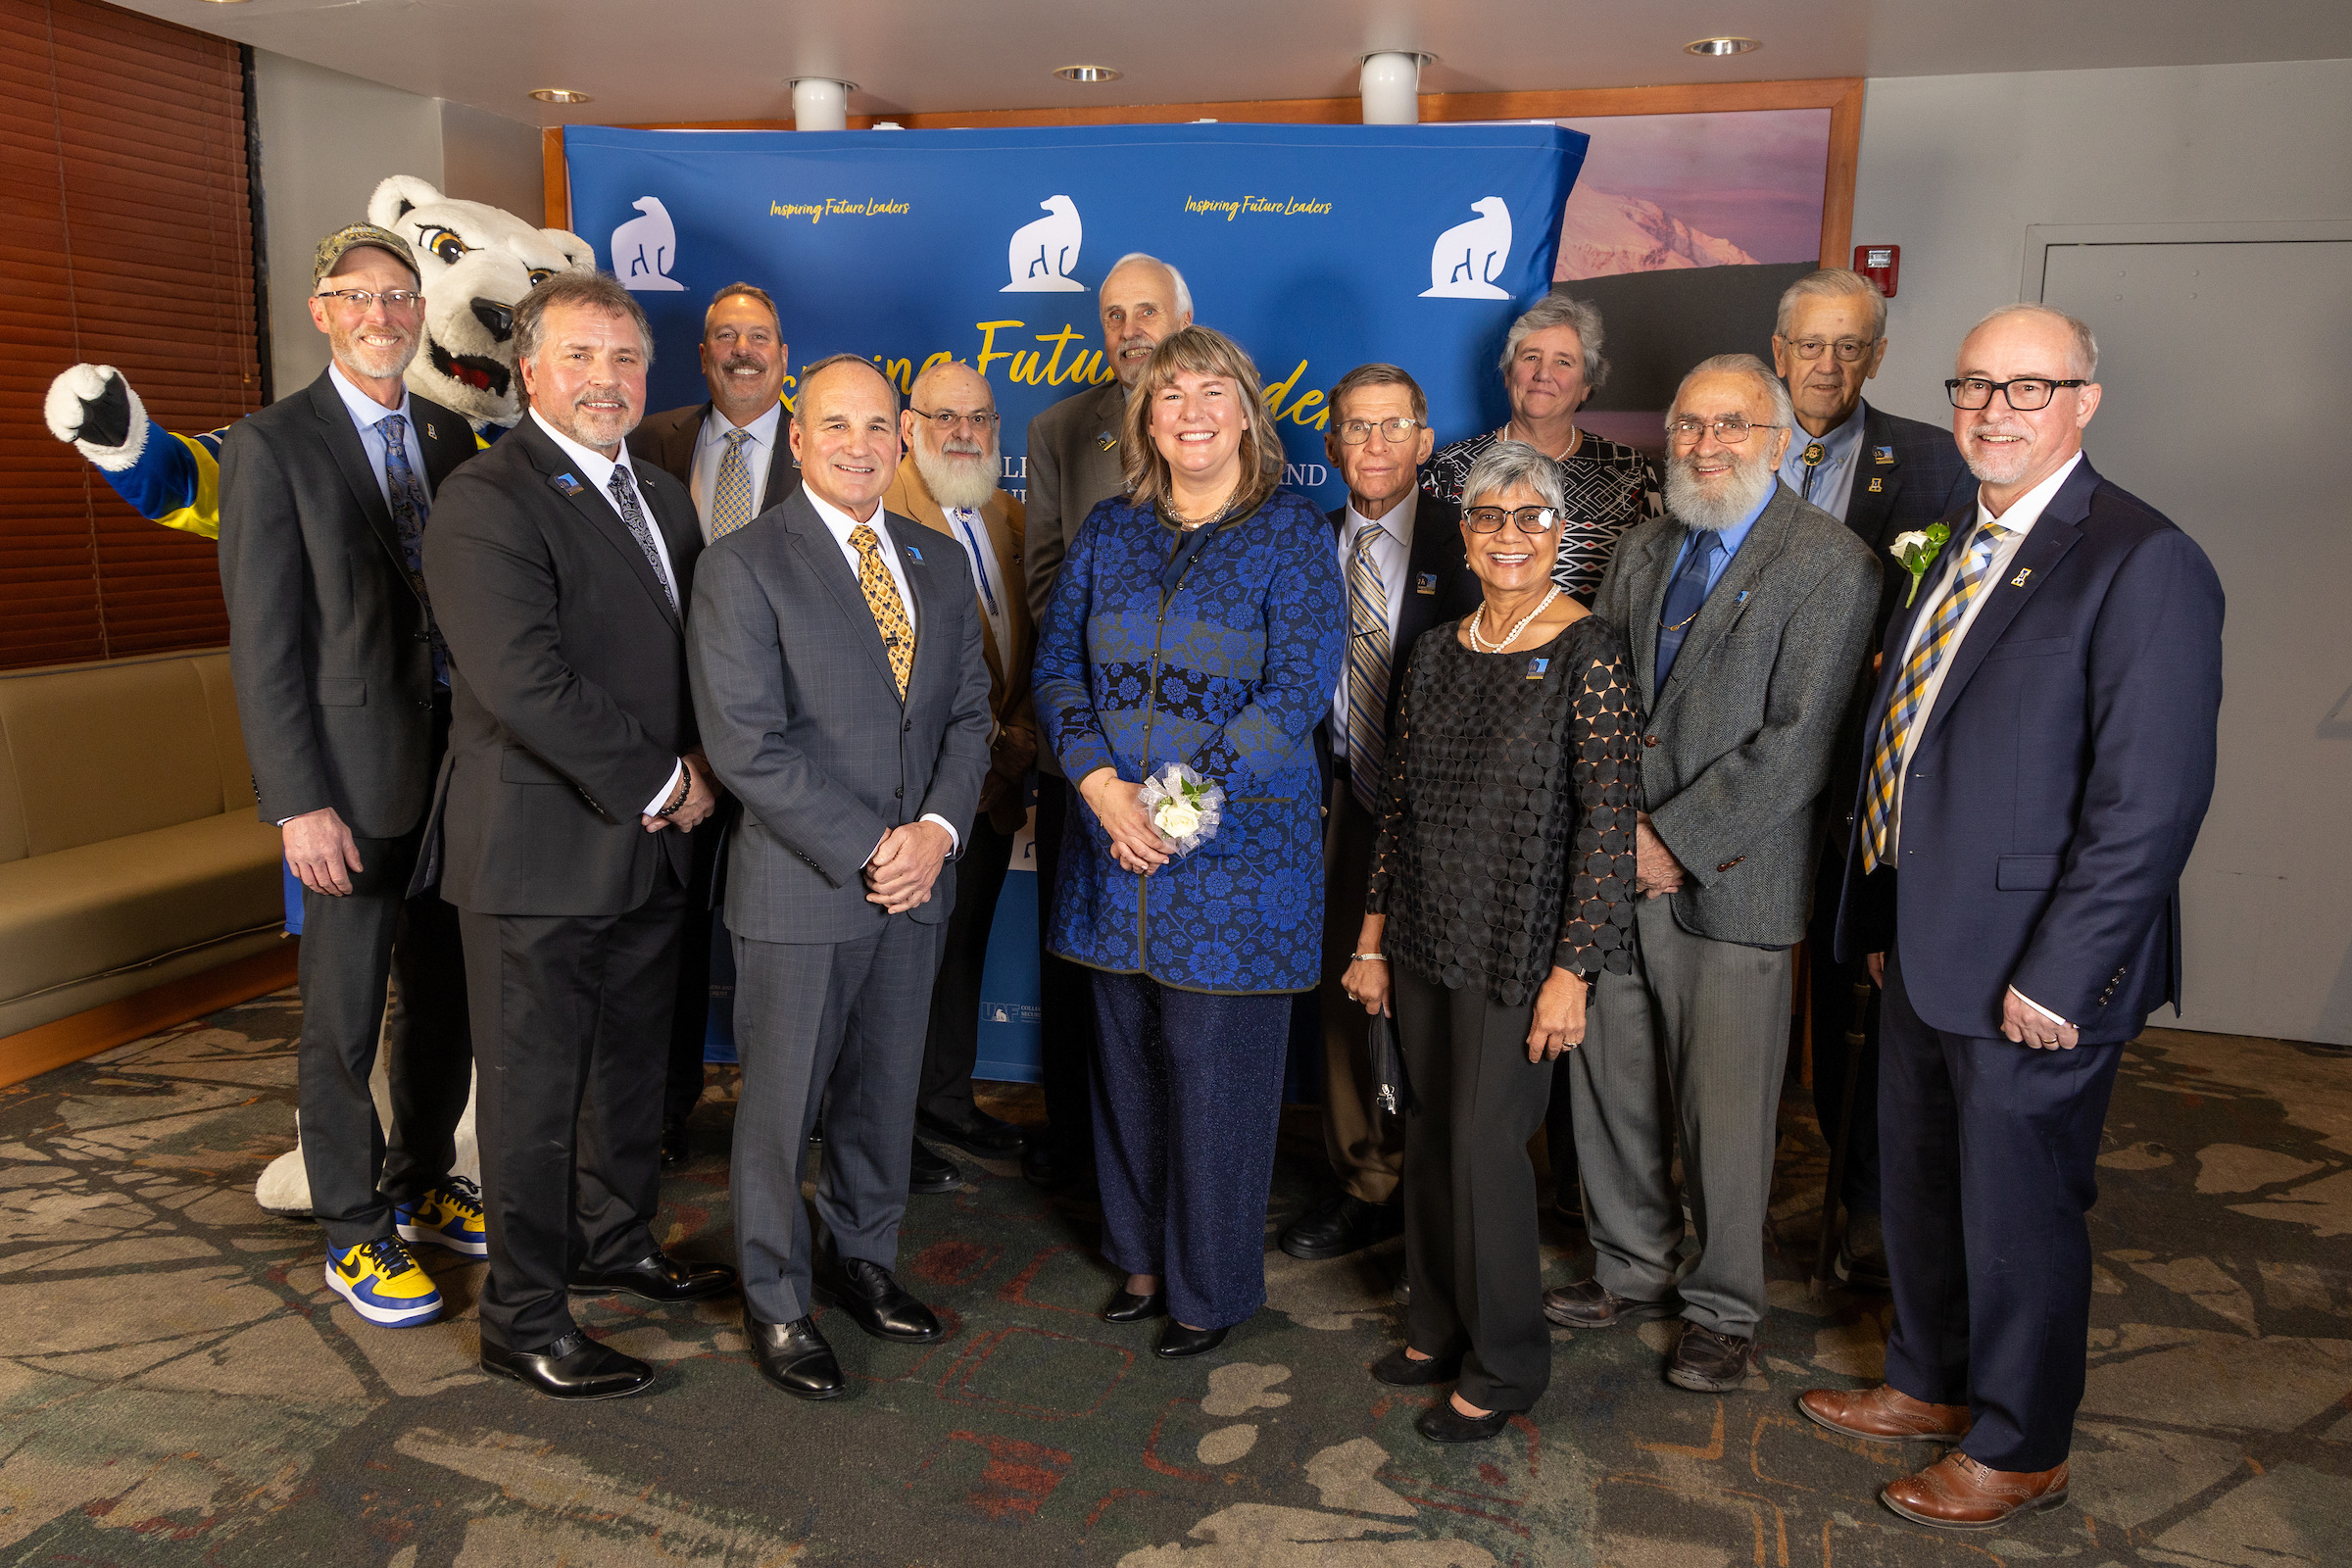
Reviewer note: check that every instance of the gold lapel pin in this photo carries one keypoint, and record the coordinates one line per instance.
(2018, 581)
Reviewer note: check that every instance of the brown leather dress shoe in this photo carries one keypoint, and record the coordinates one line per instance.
(1883, 1414)
(1956, 1493)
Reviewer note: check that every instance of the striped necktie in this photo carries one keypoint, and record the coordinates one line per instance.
(731, 505)
(1910, 689)
(882, 597)
(1370, 652)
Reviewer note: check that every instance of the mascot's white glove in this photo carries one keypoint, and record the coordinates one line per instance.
(92, 407)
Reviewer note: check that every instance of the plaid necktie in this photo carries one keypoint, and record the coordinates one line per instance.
(624, 496)
(1903, 706)
(882, 597)
(409, 509)
(731, 506)
(1370, 652)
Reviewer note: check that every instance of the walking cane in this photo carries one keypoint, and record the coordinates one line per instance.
(1856, 1041)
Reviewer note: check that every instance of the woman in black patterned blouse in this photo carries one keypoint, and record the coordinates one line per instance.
(1501, 884)
(1552, 362)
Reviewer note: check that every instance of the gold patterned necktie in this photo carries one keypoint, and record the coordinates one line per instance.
(882, 597)
(731, 504)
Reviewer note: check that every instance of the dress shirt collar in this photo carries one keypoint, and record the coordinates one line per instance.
(366, 412)
(2027, 509)
(715, 426)
(838, 520)
(1396, 522)
(594, 467)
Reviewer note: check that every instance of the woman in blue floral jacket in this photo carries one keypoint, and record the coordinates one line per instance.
(1198, 619)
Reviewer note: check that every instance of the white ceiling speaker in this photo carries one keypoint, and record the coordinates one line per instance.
(820, 103)
(1391, 85)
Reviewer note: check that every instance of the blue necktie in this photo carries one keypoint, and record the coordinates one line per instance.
(1686, 597)
(409, 509)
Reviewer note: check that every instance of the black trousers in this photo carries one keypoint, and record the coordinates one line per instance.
(1832, 1011)
(1470, 1239)
(952, 1044)
(1065, 992)
(690, 1022)
(572, 1026)
(352, 944)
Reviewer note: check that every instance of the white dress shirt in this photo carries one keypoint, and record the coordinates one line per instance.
(710, 450)
(1392, 550)
(971, 529)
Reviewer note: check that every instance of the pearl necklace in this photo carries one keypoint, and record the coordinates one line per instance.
(1479, 620)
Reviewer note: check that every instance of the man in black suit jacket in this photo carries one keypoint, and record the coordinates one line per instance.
(1405, 551)
(561, 575)
(1882, 476)
(2041, 753)
(342, 693)
(729, 453)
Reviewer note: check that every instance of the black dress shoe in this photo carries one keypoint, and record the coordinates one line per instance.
(1050, 1168)
(1129, 1307)
(932, 1173)
(879, 1305)
(1177, 1341)
(574, 1368)
(982, 1134)
(675, 1151)
(1401, 1371)
(796, 1358)
(1341, 1224)
(1442, 1423)
(658, 1277)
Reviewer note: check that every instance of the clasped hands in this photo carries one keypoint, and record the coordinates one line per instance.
(1657, 872)
(701, 797)
(899, 872)
(1135, 844)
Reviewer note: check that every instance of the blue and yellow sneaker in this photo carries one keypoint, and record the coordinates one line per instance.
(449, 1214)
(384, 1284)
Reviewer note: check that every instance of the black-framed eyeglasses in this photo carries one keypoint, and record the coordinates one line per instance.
(944, 420)
(1847, 348)
(1355, 432)
(359, 299)
(1527, 520)
(1731, 429)
(2027, 394)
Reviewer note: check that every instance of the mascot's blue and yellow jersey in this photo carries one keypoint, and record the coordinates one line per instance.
(176, 479)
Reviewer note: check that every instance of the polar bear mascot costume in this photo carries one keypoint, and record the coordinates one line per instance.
(477, 264)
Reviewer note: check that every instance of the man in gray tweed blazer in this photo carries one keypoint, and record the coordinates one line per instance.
(837, 675)
(1748, 612)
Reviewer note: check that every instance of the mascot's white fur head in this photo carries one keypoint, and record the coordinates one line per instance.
(476, 263)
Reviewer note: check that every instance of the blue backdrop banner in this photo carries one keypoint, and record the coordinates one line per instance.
(1316, 247)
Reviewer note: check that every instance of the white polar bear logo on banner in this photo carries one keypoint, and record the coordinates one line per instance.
(1043, 253)
(1468, 256)
(644, 249)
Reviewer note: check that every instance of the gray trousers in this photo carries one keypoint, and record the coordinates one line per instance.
(1690, 1045)
(818, 1024)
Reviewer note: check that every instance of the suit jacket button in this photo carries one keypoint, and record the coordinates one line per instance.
(900, 792)
(1650, 740)
(909, 724)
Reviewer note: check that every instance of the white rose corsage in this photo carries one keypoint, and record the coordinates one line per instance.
(1183, 806)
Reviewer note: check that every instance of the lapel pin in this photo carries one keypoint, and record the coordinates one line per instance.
(1882, 453)
(1877, 486)
(1109, 440)
(2018, 581)
(565, 483)
(1426, 583)
(431, 434)
(1536, 668)
(916, 554)
(1742, 599)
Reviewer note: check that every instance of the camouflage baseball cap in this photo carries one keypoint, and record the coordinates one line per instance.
(351, 237)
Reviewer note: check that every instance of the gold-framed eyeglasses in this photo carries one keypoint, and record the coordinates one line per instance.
(360, 299)
(1847, 348)
(2027, 394)
(1731, 429)
(944, 420)
(1395, 433)
(1527, 520)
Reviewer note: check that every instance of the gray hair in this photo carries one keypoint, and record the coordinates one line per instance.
(2087, 346)
(1507, 464)
(810, 372)
(752, 291)
(1558, 310)
(1832, 284)
(600, 292)
(1784, 408)
(1184, 294)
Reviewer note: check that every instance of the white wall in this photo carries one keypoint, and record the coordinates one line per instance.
(1954, 168)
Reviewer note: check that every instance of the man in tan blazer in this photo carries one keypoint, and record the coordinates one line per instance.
(948, 482)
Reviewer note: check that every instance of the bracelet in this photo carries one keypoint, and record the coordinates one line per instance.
(685, 788)
(1369, 958)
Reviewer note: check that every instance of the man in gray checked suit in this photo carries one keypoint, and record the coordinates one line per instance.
(843, 693)
(1748, 612)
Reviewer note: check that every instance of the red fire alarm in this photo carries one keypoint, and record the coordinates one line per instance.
(1880, 263)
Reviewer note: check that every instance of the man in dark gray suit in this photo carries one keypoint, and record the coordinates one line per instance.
(1074, 461)
(838, 676)
(343, 694)
(1748, 611)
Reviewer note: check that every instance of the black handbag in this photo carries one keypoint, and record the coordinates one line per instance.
(1390, 1090)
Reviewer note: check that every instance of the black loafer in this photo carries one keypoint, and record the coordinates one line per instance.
(1401, 1371)
(675, 1151)
(658, 1277)
(574, 1368)
(982, 1134)
(879, 1305)
(1339, 1225)
(931, 1172)
(1177, 1341)
(796, 1358)
(1442, 1423)
(1129, 1307)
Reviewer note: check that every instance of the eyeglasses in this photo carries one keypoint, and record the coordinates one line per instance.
(2026, 394)
(359, 299)
(1850, 349)
(945, 420)
(1731, 429)
(1527, 520)
(1355, 432)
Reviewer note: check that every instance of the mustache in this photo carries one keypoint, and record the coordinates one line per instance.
(1985, 428)
(961, 448)
(743, 362)
(615, 393)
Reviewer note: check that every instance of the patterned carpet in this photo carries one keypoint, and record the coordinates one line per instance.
(176, 1385)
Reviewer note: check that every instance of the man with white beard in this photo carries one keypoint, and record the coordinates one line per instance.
(1749, 612)
(948, 482)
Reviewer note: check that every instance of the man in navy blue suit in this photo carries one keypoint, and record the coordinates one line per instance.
(2039, 756)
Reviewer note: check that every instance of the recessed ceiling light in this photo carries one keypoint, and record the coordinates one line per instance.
(1723, 46)
(558, 95)
(228, 2)
(1089, 74)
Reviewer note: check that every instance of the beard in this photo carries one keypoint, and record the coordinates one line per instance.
(1998, 464)
(1734, 496)
(602, 427)
(959, 473)
(377, 365)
